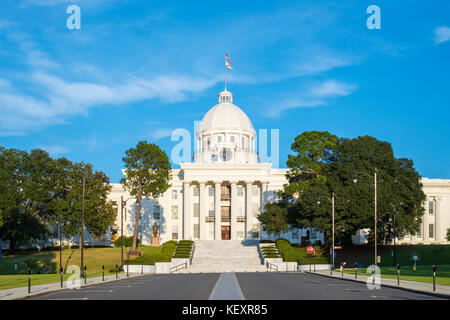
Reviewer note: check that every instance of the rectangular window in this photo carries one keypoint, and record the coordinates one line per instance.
(211, 211)
(232, 138)
(174, 194)
(196, 210)
(174, 232)
(240, 191)
(219, 139)
(295, 234)
(211, 191)
(431, 207)
(255, 231)
(156, 212)
(313, 236)
(431, 230)
(174, 212)
(196, 230)
(419, 233)
(196, 191)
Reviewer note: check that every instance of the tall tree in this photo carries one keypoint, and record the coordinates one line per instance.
(323, 168)
(23, 197)
(98, 211)
(147, 174)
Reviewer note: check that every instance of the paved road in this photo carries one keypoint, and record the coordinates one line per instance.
(250, 286)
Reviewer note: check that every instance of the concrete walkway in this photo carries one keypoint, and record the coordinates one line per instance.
(22, 292)
(420, 287)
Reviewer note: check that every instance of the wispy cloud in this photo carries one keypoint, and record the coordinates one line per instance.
(441, 34)
(317, 95)
(54, 150)
(160, 133)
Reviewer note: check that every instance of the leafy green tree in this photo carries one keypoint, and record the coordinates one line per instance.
(147, 174)
(23, 196)
(313, 151)
(274, 218)
(328, 165)
(1, 221)
(98, 211)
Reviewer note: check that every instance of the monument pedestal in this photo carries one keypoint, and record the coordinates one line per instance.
(155, 242)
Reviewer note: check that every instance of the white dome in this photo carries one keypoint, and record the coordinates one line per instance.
(226, 115)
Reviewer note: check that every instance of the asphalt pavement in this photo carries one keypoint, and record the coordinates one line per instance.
(249, 286)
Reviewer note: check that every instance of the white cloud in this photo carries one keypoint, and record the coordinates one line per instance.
(54, 150)
(317, 95)
(62, 99)
(331, 88)
(441, 34)
(160, 133)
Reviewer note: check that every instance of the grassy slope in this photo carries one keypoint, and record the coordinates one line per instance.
(429, 255)
(94, 258)
(423, 273)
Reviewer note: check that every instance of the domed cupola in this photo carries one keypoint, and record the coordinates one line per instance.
(226, 134)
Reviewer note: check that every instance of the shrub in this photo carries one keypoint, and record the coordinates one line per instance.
(127, 241)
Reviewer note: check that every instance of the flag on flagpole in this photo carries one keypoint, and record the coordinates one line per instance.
(228, 62)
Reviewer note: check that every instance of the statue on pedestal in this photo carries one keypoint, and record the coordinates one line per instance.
(155, 235)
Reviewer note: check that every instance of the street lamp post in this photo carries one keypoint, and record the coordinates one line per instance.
(332, 225)
(82, 226)
(123, 204)
(355, 180)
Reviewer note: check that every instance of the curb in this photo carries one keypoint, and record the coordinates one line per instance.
(37, 294)
(435, 294)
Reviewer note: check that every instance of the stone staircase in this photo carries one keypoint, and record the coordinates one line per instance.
(211, 256)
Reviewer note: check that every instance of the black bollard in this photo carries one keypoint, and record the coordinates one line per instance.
(85, 274)
(356, 271)
(29, 280)
(434, 277)
(103, 272)
(61, 275)
(116, 271)
(398, 274)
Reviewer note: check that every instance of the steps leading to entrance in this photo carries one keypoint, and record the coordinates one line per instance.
(212, 256)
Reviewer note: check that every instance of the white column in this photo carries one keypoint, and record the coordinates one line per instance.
(264, 198)
(203, 208)
(426, 229)
(217, 230)
(187, 211)
(233, 211)
(437, 220)
(248, 210)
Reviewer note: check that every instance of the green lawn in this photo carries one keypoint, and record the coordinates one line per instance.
(423, 273)
(438, 254)
(294, 253)
(93, 258)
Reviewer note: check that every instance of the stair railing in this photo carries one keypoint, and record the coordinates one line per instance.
(178, 267)
(271, 266)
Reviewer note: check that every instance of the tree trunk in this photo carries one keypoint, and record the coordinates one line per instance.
(12, 245)
(136, 224)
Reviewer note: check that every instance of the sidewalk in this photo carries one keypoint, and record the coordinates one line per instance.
(419, 287)
(22, 292)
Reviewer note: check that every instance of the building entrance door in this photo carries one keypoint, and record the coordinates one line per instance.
(226, 232)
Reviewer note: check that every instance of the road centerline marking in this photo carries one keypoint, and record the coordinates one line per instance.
(227, 288)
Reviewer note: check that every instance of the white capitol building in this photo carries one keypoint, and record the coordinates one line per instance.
(220, 194)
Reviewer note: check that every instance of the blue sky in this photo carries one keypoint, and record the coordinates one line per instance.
(136, 70)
